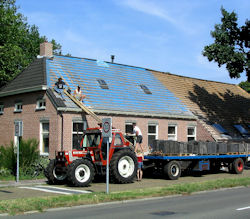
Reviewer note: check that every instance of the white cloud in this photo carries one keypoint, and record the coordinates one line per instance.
(163, 11)
(148, 7)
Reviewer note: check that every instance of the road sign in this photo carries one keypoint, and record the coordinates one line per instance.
(18, 128)
(107, 127)
(107, 132)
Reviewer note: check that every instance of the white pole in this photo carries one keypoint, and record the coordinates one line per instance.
(107, 169)
(17, 161)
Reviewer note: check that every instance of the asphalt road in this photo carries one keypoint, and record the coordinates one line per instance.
(22, 191)
(227, 203)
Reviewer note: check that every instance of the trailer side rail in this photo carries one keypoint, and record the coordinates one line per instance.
(195, 157)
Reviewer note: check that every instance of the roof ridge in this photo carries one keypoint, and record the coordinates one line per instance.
(148, 69)
(191, 77)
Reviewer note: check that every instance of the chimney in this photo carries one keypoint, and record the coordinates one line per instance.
(46, 49)
(112, 58)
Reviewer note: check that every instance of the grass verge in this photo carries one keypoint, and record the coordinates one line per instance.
(18, 206)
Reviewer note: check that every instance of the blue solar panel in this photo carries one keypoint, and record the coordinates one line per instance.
(220, 129)
(124, 93)
(241, 129)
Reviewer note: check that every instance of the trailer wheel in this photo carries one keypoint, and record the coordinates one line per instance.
(172, 170)
(123, 166)
(237, 166)
(81, 172)
(54, 174)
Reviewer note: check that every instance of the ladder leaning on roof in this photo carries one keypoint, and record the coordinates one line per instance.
(88, 111)
(83, 107)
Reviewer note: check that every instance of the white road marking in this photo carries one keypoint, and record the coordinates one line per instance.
(45, 190)
(241, 209)
(72, 190)
(53, 189)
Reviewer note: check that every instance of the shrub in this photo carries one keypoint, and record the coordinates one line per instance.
(28, 156)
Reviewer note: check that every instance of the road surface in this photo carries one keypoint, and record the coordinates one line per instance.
(226, 203)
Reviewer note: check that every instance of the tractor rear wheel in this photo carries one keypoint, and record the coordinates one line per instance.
(81, 172)
(54, 174)
(123, 166)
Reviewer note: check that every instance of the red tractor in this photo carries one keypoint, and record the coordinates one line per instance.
(79, 167)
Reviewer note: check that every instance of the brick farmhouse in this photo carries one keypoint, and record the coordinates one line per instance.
(164, 106)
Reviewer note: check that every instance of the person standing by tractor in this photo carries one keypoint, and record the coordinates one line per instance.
(140, 159)
(138, 134)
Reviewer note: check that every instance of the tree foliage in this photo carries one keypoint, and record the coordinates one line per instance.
(231, 45)
(245, 85)
(19, 41)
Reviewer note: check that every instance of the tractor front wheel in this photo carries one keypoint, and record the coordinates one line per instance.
(54, 174)
(81, 172)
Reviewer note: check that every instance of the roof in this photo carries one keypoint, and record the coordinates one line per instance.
(33, 78)
(124, 94)
(212, 102)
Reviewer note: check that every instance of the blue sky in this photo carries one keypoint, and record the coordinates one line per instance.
(162, 35)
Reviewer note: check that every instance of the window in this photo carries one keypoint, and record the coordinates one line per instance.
(91, 140)
(44, 138)
(242, 130)
(1, 108)
(152, 133)
(40, 104)
(18, 107)
(129, 131)
(118, 140)
(102, 84)
(78, 128)
(191, 133)
(172, 132)
(220, 129)
(145, 89)
(129, 128)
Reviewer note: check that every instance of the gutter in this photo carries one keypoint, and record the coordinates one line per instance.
(190, 117)
(23, 90)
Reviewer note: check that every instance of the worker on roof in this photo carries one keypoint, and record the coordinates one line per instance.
(78, 94)
(59, 86)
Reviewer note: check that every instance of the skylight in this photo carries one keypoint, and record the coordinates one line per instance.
(220, 129)
(102, 84)
(241, 129)
(145, 89)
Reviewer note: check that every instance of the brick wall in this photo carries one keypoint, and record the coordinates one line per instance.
(31, 118)
(31, 123)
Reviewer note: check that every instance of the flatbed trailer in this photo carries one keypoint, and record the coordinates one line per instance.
(171, 166)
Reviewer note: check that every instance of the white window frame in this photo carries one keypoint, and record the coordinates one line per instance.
(41, 137)
(1, 108)
(156, 131)
(18, 108)
(79, 133)
(194, 135)
(41, 101)
(172, 136)
(130, 134)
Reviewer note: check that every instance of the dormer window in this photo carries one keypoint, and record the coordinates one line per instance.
(145, 89)
(18, 107)
(1, 108)
(41, 104)
(102, 84)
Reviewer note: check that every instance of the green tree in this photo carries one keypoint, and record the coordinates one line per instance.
(231, 45)
(245, 85)
(19, 41)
